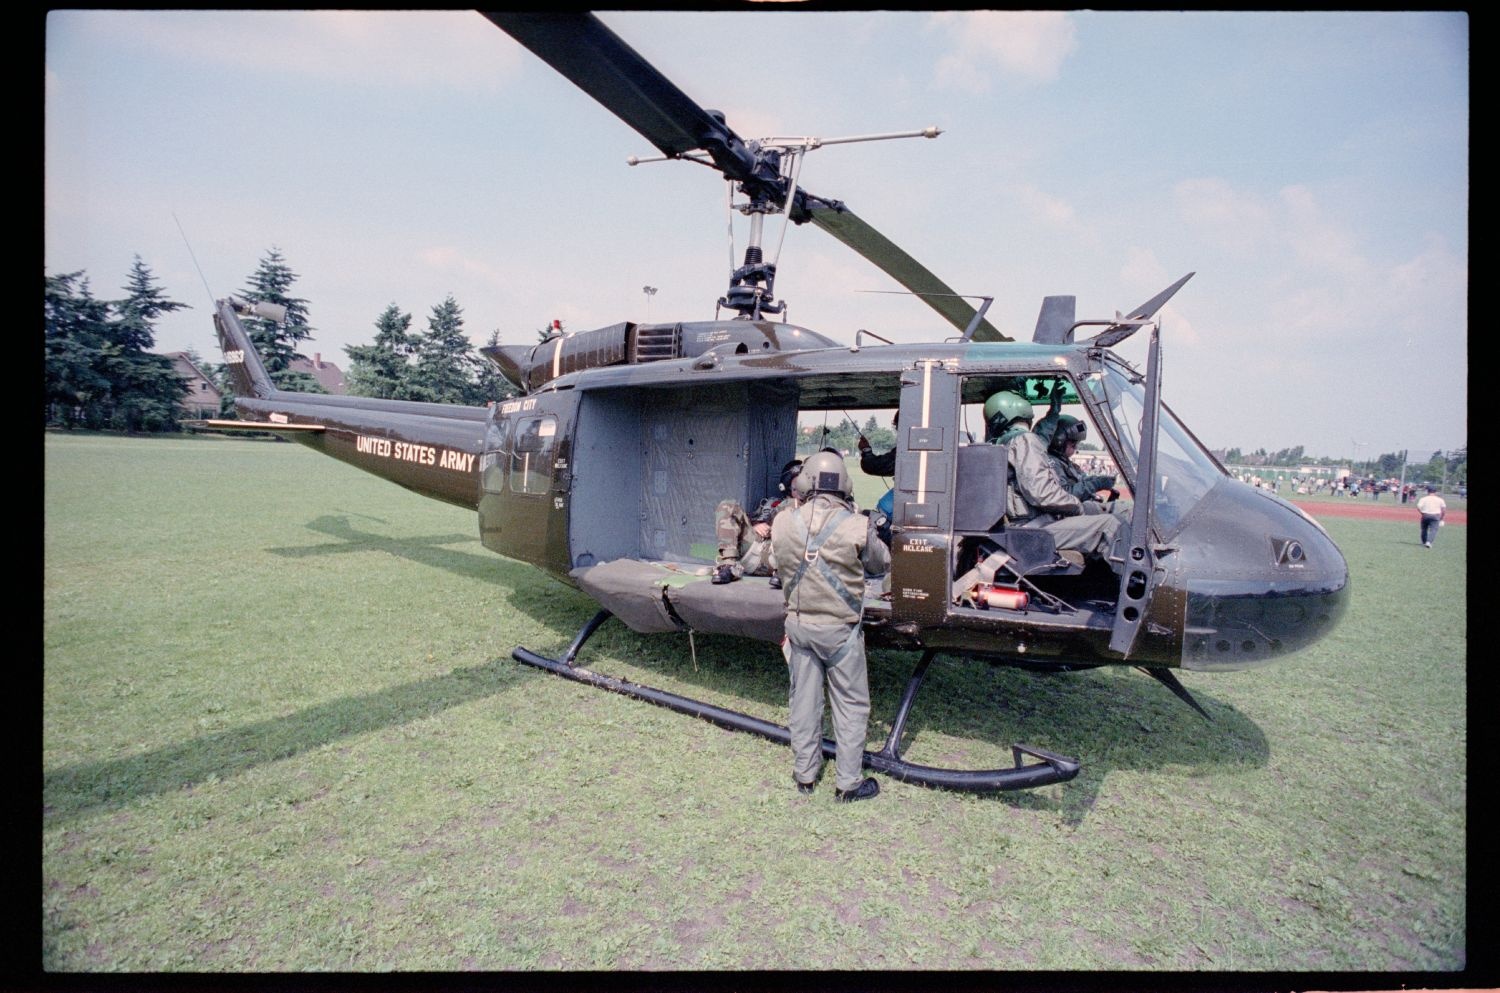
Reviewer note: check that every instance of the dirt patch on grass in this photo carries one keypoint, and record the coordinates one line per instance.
(1372, 510)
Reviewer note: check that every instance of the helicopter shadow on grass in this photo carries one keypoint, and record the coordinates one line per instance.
(87, 788)
(967, 714)
(92, 787)
(1109, 718)
(548, 601)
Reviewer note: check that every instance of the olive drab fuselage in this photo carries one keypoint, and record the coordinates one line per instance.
(555, 479)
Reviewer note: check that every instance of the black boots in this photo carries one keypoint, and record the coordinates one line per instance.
(863, 791)
(723, 574)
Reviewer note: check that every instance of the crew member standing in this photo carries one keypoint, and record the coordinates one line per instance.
(823, 551)
(1433, 509)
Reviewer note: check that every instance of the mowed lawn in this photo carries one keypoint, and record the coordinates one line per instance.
(282, 731)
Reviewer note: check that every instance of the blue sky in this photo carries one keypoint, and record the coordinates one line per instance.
(1311, 168)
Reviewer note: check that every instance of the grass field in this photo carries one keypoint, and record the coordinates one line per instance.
(282, 731)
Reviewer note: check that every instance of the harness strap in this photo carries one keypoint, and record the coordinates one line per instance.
(814, 554)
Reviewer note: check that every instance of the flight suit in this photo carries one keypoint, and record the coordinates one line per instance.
(1075, 480)
(878, 465)
(1036, 498)
(739, 547)
(824, 550)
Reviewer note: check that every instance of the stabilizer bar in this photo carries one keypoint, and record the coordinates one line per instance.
(1053, 768)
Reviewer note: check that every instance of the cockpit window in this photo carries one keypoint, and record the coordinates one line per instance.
(1184, 471)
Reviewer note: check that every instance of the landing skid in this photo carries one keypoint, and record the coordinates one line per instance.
(1052, 768)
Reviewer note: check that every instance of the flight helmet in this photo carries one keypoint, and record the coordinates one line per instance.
(789, 473)
(1068, 429)
(824, 472)
(1002, 408)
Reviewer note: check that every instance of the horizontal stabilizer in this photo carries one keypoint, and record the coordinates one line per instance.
(219, 425)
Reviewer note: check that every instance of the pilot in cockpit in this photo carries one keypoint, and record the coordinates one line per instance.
(1037, 497)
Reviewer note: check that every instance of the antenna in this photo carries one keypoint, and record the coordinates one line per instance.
(974, 322)
(194, 258)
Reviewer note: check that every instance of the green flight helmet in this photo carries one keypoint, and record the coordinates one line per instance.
(1069, 428)
(824, 472)
(1002, 408)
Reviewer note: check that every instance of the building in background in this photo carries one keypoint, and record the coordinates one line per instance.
(203, 396)
(328, 375)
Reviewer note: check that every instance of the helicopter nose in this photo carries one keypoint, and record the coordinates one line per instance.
(1262, 578)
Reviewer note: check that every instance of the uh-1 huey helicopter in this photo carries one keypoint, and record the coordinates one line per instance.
(606, 470)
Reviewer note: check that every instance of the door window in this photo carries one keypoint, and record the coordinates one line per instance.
(531, 455)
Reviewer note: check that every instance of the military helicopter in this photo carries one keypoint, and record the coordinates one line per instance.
(606, 470)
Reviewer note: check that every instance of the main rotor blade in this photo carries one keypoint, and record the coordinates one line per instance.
(848, 228)
(579, 46)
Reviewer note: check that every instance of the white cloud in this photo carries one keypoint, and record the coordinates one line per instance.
(1046, 207)
(1436, 269)
(1238, 222)
(1056, 213)
(1318, 240)
(456, 49)
(1142, 268)
(1030, 45)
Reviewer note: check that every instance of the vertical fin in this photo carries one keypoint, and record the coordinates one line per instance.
(246, 371)
(1054, 325)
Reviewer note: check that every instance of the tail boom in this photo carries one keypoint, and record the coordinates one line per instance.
(434, 449)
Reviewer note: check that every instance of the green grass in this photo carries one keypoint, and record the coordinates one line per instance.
(282, 731)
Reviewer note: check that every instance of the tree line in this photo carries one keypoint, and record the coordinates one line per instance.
(1439, 467)
(100, 372)
(438, 365)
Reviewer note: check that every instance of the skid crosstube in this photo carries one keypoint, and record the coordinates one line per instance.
(1052, 768)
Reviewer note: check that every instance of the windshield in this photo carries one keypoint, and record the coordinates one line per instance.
(1184, 471)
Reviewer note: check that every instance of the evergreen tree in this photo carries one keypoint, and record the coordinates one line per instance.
(74, 328)
(445, 369)
(99, 371)
(383, 369)
(277, 342)
(146, 389)
(490, 384)
(143, 304)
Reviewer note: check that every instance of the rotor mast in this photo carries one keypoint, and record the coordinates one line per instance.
(769, 183)
(585, 51)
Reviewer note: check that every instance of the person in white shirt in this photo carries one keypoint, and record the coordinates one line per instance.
(1432, 508)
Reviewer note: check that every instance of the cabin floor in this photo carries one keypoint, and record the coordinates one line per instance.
(654, 596)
